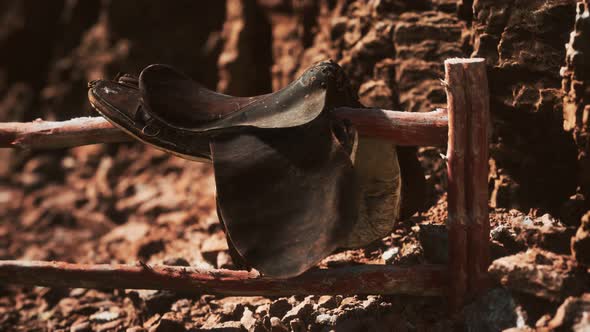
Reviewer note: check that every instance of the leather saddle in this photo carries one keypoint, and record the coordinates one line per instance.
(294, 184)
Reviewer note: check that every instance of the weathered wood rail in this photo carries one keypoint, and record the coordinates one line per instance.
(424, 129)
(359, 279)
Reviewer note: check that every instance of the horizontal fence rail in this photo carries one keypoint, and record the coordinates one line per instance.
(404, 128)
(424, 280)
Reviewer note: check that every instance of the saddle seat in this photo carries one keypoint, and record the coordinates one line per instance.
(182, 103)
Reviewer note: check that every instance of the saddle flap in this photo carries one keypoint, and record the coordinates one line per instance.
(289, 207)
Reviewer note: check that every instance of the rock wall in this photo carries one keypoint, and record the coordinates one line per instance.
(392, 50)
(523, 44)
(576, 86)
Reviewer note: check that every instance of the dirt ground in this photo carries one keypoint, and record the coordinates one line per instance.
(125, 203)
(140, 204)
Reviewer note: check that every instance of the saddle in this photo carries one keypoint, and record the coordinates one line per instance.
(294, 184)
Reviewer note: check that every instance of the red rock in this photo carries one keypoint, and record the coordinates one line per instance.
(246, 58)
(277, 326)
(81, 327)
(572, 315)
(422, 41)
(377, 94)
(230, 326)
(540, 273)
(555, 238)
(576, 85)
(580, 243)
(297, 325)
(111, 326)
(516, 41)
(136, 329)
(572, 210)
(212, 246)
(279, 307)
(249, 322)
(301, 311)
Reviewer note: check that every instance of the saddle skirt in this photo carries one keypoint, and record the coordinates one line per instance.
(294, 184)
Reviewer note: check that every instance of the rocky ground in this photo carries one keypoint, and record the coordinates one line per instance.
(138, 204)
(125, 203)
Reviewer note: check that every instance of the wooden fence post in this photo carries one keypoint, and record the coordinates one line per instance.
(468, 222)
(477, 169)
(457, 140)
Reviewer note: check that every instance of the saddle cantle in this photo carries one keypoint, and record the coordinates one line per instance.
(293, 183)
